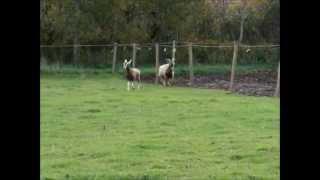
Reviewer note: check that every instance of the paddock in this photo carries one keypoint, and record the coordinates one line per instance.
(93, 128)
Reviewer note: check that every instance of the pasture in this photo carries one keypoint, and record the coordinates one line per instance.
(93, 128)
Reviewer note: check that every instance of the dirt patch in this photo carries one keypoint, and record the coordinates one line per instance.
(258, 83)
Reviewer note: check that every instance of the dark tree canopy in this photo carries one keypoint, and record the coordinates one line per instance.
(101, 21)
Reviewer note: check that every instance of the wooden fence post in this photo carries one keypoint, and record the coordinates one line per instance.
(174, 49)
(234, 63)
(157, 63)
(76, 52)
(60, 58)
(134, 55)
(173, 55)
(89, 54)
(61, 54)
(114, 60)
(277, 92)
(190, 63)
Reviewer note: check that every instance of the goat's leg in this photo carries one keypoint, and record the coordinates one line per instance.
(132, 85)
(169, 84)
(128, 85)
(167, 81)
(161, 80)
(139, 82)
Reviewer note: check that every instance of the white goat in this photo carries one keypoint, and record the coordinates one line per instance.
(132, 74)
(166, 72)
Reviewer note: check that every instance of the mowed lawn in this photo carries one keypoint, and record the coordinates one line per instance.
(93, 128)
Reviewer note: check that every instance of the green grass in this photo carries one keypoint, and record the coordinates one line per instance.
(180, 70)
(92, 128)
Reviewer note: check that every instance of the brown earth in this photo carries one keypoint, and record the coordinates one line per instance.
(259, 83)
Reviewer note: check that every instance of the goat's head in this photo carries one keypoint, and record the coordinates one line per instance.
(126, 63)
(170, 62)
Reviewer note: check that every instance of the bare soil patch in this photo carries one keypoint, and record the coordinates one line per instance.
(258, 83)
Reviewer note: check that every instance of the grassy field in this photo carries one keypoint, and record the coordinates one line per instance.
(92, 128)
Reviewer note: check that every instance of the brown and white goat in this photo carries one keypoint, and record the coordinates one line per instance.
(166, 72)
(132, 74)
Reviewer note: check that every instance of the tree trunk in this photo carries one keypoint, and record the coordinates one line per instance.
(241, 28)
(42, 8)
(235, 51)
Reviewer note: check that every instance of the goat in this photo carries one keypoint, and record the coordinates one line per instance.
(132, 74)
(166, 72)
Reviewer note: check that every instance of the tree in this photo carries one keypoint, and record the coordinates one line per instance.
(97, 21)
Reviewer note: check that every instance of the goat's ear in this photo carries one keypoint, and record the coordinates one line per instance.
(125, 60)
(130, 61)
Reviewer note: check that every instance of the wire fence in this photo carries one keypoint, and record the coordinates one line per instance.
(192, 59)
(162, 44)
(204, 52)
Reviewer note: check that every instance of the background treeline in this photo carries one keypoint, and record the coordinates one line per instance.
(141, 21)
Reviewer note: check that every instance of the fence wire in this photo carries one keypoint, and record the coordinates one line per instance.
(208, 59)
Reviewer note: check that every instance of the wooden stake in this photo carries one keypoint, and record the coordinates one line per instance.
(174, 49)
(173, 55)
(76, 51)
(234, 63)
(277, 91)
(114, 60)
(190, 63)
(134, 55)
(157, 63)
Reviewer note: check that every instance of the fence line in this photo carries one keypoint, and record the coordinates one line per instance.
(162, 44)
(77, 45)
(174, 45)
(252, 46)
(151, 46)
